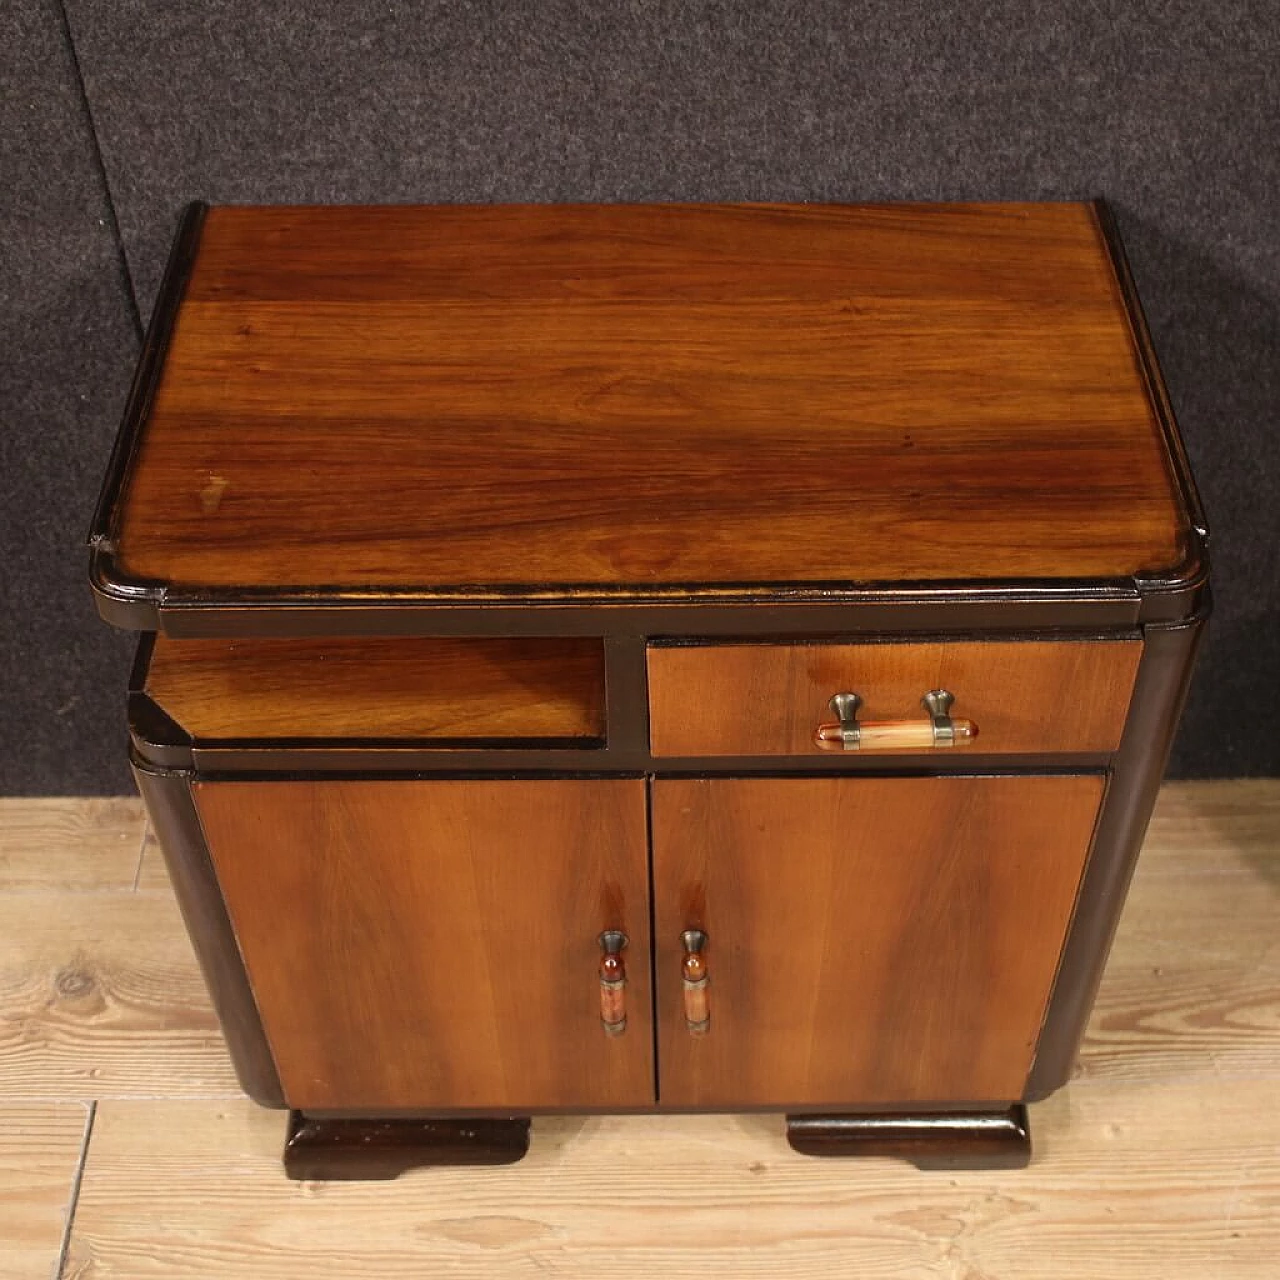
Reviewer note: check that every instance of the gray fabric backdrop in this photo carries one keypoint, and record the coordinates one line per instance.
(117, 112)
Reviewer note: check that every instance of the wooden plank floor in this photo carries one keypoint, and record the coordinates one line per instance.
(127, 1151)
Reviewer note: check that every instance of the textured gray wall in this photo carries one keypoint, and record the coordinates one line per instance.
(67, 344)
(1169, 110)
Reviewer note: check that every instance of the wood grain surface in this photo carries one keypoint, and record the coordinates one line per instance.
(40, 1151)
(767, 699)
(100, 997)
(48, 842)
(1130, 1181)
(405, 687)
(458, 399)
(869, 940)
(1192, 986)
(418, 944)
(1158, 1160)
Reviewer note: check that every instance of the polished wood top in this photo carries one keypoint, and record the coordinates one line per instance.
(529, 399)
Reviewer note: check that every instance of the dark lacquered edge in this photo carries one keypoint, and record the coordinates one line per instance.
(134, 603)
(171, 808)
(317, 763)
(784, 611)
(539, 595)
(1057, 634)
(941, 1140)
(157, 739)
(773, 1107)
(1164, 675)
(626, 692)
(1172, 592)
(367, 1149)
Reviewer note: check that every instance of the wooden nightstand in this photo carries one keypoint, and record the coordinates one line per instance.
(653, 657)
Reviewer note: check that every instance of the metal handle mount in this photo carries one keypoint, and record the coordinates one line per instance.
(694, 979)
(613, 982)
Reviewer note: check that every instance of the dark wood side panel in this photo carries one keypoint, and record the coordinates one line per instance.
(767, 699)
(434, 944)
(177, 826)
(871, 940)
(1163, 679)
(408, 687)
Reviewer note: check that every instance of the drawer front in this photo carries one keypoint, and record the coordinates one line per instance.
(1030, 696)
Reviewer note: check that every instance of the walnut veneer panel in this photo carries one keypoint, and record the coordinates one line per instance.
(434, 944)
(872, 940)
(767, 699)
(370, 687)
(643, 396)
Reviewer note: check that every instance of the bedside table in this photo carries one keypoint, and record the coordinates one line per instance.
(630, 658)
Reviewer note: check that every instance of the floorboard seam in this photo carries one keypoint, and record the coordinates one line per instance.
(74, 1200)
(142, 853)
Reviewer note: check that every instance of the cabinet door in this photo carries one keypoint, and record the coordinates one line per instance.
(435, 944)
(869, 940)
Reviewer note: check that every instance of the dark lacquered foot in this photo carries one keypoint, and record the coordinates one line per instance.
(365, 1150)
(929, 1140)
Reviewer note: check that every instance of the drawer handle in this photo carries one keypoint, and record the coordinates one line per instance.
(613, 982)
(850, 734)
(693, 974)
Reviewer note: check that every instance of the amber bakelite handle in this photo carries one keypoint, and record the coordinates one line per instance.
(849, 733)
(893, 735)
(693, 974)
(613, 982)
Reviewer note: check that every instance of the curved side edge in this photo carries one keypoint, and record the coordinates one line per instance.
(1173, 592)
(128, 603)
(1164, 676)
(158, 740)
(129, 606)
(167, 795)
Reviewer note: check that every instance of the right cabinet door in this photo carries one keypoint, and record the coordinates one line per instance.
(867, 940)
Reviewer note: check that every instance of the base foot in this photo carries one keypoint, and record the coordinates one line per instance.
(929, 1140)
(365, 1150)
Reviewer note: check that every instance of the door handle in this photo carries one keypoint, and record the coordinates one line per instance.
(849, 733)
(694, 979)
(613, 982)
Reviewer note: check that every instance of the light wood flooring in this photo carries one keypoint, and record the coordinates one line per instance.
(126, 1149)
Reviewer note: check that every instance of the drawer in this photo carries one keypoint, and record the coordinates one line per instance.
(1034, 696)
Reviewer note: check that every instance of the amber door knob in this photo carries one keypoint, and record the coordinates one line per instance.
(694, 979)
(613, 982)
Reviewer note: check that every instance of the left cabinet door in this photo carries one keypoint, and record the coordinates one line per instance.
(435, 944)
